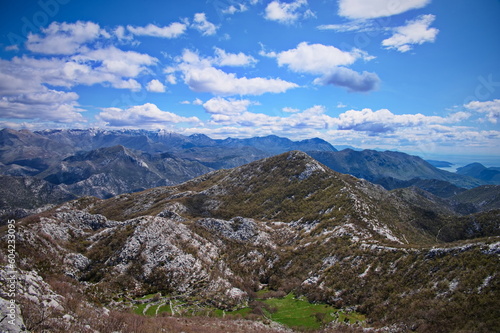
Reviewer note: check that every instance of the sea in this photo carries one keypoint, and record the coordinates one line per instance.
(459, 161)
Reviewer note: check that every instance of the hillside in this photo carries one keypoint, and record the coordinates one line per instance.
(479, 171)
(377, 166)
(284, 225)
(482, 198)
(109, 171)
(30, 192)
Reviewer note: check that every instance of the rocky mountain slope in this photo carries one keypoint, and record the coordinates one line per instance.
(376, 166)
(285, 224)
(109, 171)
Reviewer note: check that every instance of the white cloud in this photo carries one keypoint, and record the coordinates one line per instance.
(218, 82)
(201, 24)
(174, 30)
(171, 79)
(368, 9)
(199, 74)
(12, 48)
(235, 114)
(286, 13)
(312, 118)
(117, 62)
(197, 101)
(130, 84)
(235, 9)
(23, 89)
(317, 58)
(352, 80)
(121, 34)
(366, 128)
(64, 38)
(328, 61)
(414, 32)
(29, 100)
(290, 110)
(140, 116)
(383, 120)
(22, 96)
(356, 25)
(155, 86)
(490, 108)
(232, 59)
(222, 58)
(218, 105)
(245, 119)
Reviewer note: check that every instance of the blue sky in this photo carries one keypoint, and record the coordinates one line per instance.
(418, 76)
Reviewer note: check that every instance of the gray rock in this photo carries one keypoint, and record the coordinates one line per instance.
(11, 320)
(238, 228)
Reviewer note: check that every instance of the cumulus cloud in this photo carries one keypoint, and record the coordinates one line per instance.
(218, 82)
(110, 66)
(218, 105)
(155, 86)
(200, 75)
(64, 38)
(245, 119)
(173, 30)
(287, 13)
(311, 118)
(416, 31)
(328, 61)
(234, 113)
(116, 61)
(24, 91)
(317, 58)
(383, 120)
(490, 108)
(352, 80)
(201, 24)
(369, 9)
(22, 96)
(197, 101)
(30, 100)
(121, 34)
(223, 58)
(171, 79)
(46, 105)
(239, 8)
(290, 110)
(147, 115)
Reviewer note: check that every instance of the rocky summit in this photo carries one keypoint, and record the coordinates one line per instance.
(235, 249)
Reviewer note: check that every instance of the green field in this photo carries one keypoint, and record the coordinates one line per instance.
(298, 312)
(289, 310)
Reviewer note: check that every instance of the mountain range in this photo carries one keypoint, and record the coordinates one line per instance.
(392, 261)
(105, 163)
